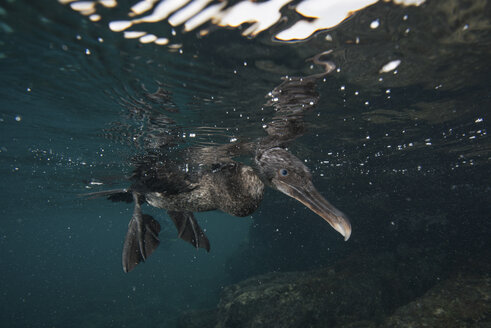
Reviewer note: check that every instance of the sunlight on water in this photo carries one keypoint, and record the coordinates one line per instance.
(390, 66)
(259, 15)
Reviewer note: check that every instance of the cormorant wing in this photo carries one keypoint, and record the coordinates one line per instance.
(155, 172)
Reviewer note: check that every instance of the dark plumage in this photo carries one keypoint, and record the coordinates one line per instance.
(200, 183)
(231, 187)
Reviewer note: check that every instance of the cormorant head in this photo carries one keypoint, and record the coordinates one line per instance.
(286, 173)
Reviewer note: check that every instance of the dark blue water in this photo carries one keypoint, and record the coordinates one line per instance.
(405, 154)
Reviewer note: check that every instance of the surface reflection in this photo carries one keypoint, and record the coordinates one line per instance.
(311, 16)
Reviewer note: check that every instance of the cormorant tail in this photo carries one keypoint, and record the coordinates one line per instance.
(114, 195)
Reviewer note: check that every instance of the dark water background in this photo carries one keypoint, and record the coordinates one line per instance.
(407, 158)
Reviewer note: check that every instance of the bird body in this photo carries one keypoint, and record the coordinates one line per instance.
(234, 188)
(201, 182)
(231, 187)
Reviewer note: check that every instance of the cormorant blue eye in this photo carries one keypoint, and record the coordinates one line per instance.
(284, 172)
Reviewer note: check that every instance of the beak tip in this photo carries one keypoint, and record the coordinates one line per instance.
(344, 228)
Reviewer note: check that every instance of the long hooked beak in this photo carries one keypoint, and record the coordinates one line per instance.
(310, 197)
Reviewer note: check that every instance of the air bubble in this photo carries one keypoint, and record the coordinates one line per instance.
(375, 24)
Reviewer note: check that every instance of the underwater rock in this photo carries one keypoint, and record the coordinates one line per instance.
(464, 301)
(312, 299)
(408, 287)
(357, 292)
